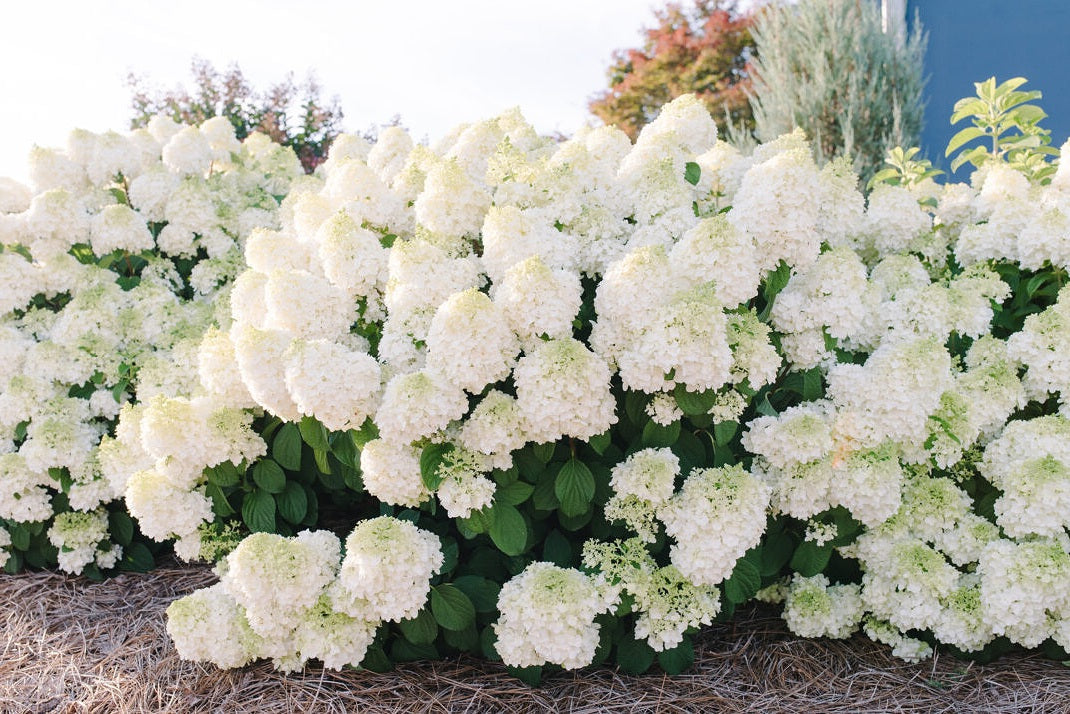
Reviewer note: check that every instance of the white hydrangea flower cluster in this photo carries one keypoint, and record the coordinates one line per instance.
(641, 484)
(668, 603)
(1029, 462)
(79, 337)
(1013, 220)
(1041, 346)
(815, 608)
(172, 444)
(82, 538)
(295, 599)
(716, 516)
(547, 615)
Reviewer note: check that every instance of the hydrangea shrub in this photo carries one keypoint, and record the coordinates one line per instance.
(113, 265)
(558, 404)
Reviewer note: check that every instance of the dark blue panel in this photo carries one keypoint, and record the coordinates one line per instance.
(972, 40)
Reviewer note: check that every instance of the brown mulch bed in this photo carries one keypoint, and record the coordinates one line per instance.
(68, 645)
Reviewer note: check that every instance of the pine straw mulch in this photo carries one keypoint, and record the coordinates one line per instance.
(69, 645)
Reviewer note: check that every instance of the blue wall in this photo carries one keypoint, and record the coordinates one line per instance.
(972, 40)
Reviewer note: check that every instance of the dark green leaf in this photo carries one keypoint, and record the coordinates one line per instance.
(482, 592)
(723, 431)
(508, 529)
(324, 467)
(634, 656)
(405, 651)
(692, 173)
(544, 498)
(292, 502)
(375, 660)
(466, 640)
(810, 558)
(314, 433)
(137, 558)
(258, 511)
(544, 452)
(20, 537)
(223, 475)
(557, 550)
(679, 658)
(531, 676)
(574, 487)
(487, 640)
(694, 403)
(220, 505)
(514, 494)
(600, 443)
(367, 432)
(744, 582)
(345, 450)
(656, 436)
(286, 448)
(776, 551)
(269, 476)
(121, 527)
(420, 630)
(430, 460)
(451, 607)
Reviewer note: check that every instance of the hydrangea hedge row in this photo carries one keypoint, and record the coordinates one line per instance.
(551, 403)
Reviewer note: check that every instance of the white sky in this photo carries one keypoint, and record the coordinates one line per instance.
(437, 63)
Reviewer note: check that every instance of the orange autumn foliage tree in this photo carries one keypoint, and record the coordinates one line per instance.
(704, 51)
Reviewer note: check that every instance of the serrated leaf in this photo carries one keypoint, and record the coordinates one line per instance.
(508, 529)
(634, 656)
(810, 558)
(694, 403)
(514, 494)
(286, 447)
(544, 498)
(574, 487)
(258, 511)
(600, 442)
(776, 552)
(744, 582)
(137, 558)
(121, 527)
(430, 459)
(723, 431)
(313, 433)
(657, 436)
(376, 660)
(420, 630)
(481, 591)
(269, 476)
(544, 452)
(556, 549)
(530, 676)
(292, 502)
(451, 607)
(223, 475)
(679, 658)
(404, 651)
(220, 505)
(20, 537)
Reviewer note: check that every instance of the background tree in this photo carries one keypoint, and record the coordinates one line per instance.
(292, 114)
(704, 51)
(826, 66)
